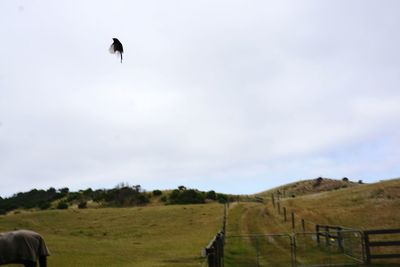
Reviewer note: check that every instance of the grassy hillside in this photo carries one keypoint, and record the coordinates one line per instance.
(306, 187)
(149, 236)
(365, 206)
(372, 206)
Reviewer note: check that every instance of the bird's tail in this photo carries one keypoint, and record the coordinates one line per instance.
(121, 58)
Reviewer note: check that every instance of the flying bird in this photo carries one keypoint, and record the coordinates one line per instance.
(116, 47)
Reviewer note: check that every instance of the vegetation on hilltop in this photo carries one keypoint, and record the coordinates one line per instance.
(122, 195)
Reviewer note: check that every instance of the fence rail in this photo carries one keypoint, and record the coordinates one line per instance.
(385, 243)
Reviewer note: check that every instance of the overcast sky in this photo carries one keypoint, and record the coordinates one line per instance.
(235, 96)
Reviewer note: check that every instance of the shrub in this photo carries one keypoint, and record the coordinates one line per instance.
(82, 205)
(44, 205)
(211, 195)
(62, 205)
(186, 196)
(222, 198)
(157, 192)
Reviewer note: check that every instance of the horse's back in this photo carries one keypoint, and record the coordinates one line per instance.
(21, 245)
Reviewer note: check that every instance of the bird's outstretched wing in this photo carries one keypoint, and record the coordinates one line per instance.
(112, 49)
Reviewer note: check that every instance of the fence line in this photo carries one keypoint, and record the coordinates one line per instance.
(214, 251)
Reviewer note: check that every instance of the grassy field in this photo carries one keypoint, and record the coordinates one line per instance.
(148, 236)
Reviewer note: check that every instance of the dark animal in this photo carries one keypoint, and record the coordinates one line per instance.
(117, 47)
(23, 247)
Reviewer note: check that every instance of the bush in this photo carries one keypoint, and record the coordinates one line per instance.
(157, 192)
(62, 205)
(222, 198)
(163, 199)
(44, 205)
(3, 212)
(82, 205)
(211, 195)
(186, 196)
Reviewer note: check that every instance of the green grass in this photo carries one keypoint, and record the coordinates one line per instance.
(148, 236)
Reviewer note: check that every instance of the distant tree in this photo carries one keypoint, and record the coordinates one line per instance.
(360, 181)
(157, 192)
(44, 205)
(82, 205)
(62, 205)
(181, 188)
(186, 196)
(99, 195)
(64, 190)
(345, 179)
(51, 190)
(142, 199)
(88, 192)
(211, 195)
(222, 198)
(137, 188)
(74, 196)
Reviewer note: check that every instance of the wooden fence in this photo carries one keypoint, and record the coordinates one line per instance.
(214, 252)
(385, 243)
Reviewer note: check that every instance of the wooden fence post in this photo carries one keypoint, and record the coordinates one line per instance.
(367, 248)
(303, 225)
(326, 235)
(284, 214)
(211, 257)
(293, 225)
(279, 207)
(339, 239)
(317, 231)
(273, 200)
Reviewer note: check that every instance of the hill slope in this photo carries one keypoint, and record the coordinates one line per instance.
(306, 187)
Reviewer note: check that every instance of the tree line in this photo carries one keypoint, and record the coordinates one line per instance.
(123, 195)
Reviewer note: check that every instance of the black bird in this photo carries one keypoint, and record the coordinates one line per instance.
(116, 47)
